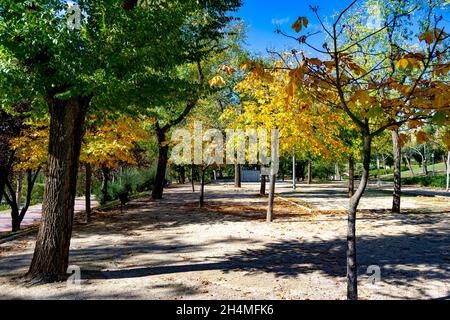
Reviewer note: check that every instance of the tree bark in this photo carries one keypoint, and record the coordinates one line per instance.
(51, 255)
(309, 172)
(163, 157)
(351, 176)
(273, 179)
(88, 191)
(237, 176)
(202, 191)
(262, 190)
(425, 161)
(105, 180)
(397, 171)
(352, 267)
(182, 175)
(408, 162)
(192, 178)
(19, 189)
(17, 213)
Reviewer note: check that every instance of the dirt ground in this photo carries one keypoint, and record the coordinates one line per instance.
(173, 250)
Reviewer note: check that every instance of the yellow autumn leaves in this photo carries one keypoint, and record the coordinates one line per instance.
(106, 146)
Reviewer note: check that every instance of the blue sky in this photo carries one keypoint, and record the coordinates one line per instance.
(261, 17)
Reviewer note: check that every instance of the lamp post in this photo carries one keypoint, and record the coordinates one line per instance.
(433, 156)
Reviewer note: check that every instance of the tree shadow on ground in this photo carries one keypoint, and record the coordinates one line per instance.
(402, 259)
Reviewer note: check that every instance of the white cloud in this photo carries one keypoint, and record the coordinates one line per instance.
(279, 22)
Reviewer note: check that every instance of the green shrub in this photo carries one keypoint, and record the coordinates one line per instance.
(132, 181)
(426, 181)
(37, 195)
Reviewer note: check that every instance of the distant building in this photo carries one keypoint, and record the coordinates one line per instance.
(251, 175)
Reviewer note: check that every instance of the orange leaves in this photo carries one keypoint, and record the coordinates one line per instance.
(361, 96)
(314, 61)
(422, 137)
(247, 65)
(356, 69)
(433, 35)
(258, 70)
(442, 70)
(404, 139)
(446, 139)
(300, 23)
(229, 70)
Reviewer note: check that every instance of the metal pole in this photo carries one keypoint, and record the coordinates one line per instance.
(434, 164)
(448, 172)
(294, 177)
(379, 173)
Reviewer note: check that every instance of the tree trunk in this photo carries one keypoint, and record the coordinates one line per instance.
(262, 190)
(192, 178)
(202, 191)
(425, 161)
(105, 180)
(338, 172)
(19, 189)
(17, 213)
(88, 191)
(351, 176)
(309, 172)
(160, 179)
(444, 160)
(397, 172)
(237, 176)
(294, 168)
(15, 219)
(182, 175)
(408, 162)
(273, 179)
(51, 254)
(352, 267)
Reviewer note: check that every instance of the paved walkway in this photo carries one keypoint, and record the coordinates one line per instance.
(34, 215)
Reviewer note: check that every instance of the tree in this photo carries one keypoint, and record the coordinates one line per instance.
(267, 103)
(112, 144)
(11, 124)
(207, 34)
(375, 96)
(18, 156)
(100, 67)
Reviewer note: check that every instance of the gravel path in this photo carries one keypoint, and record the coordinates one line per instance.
(173, 250)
